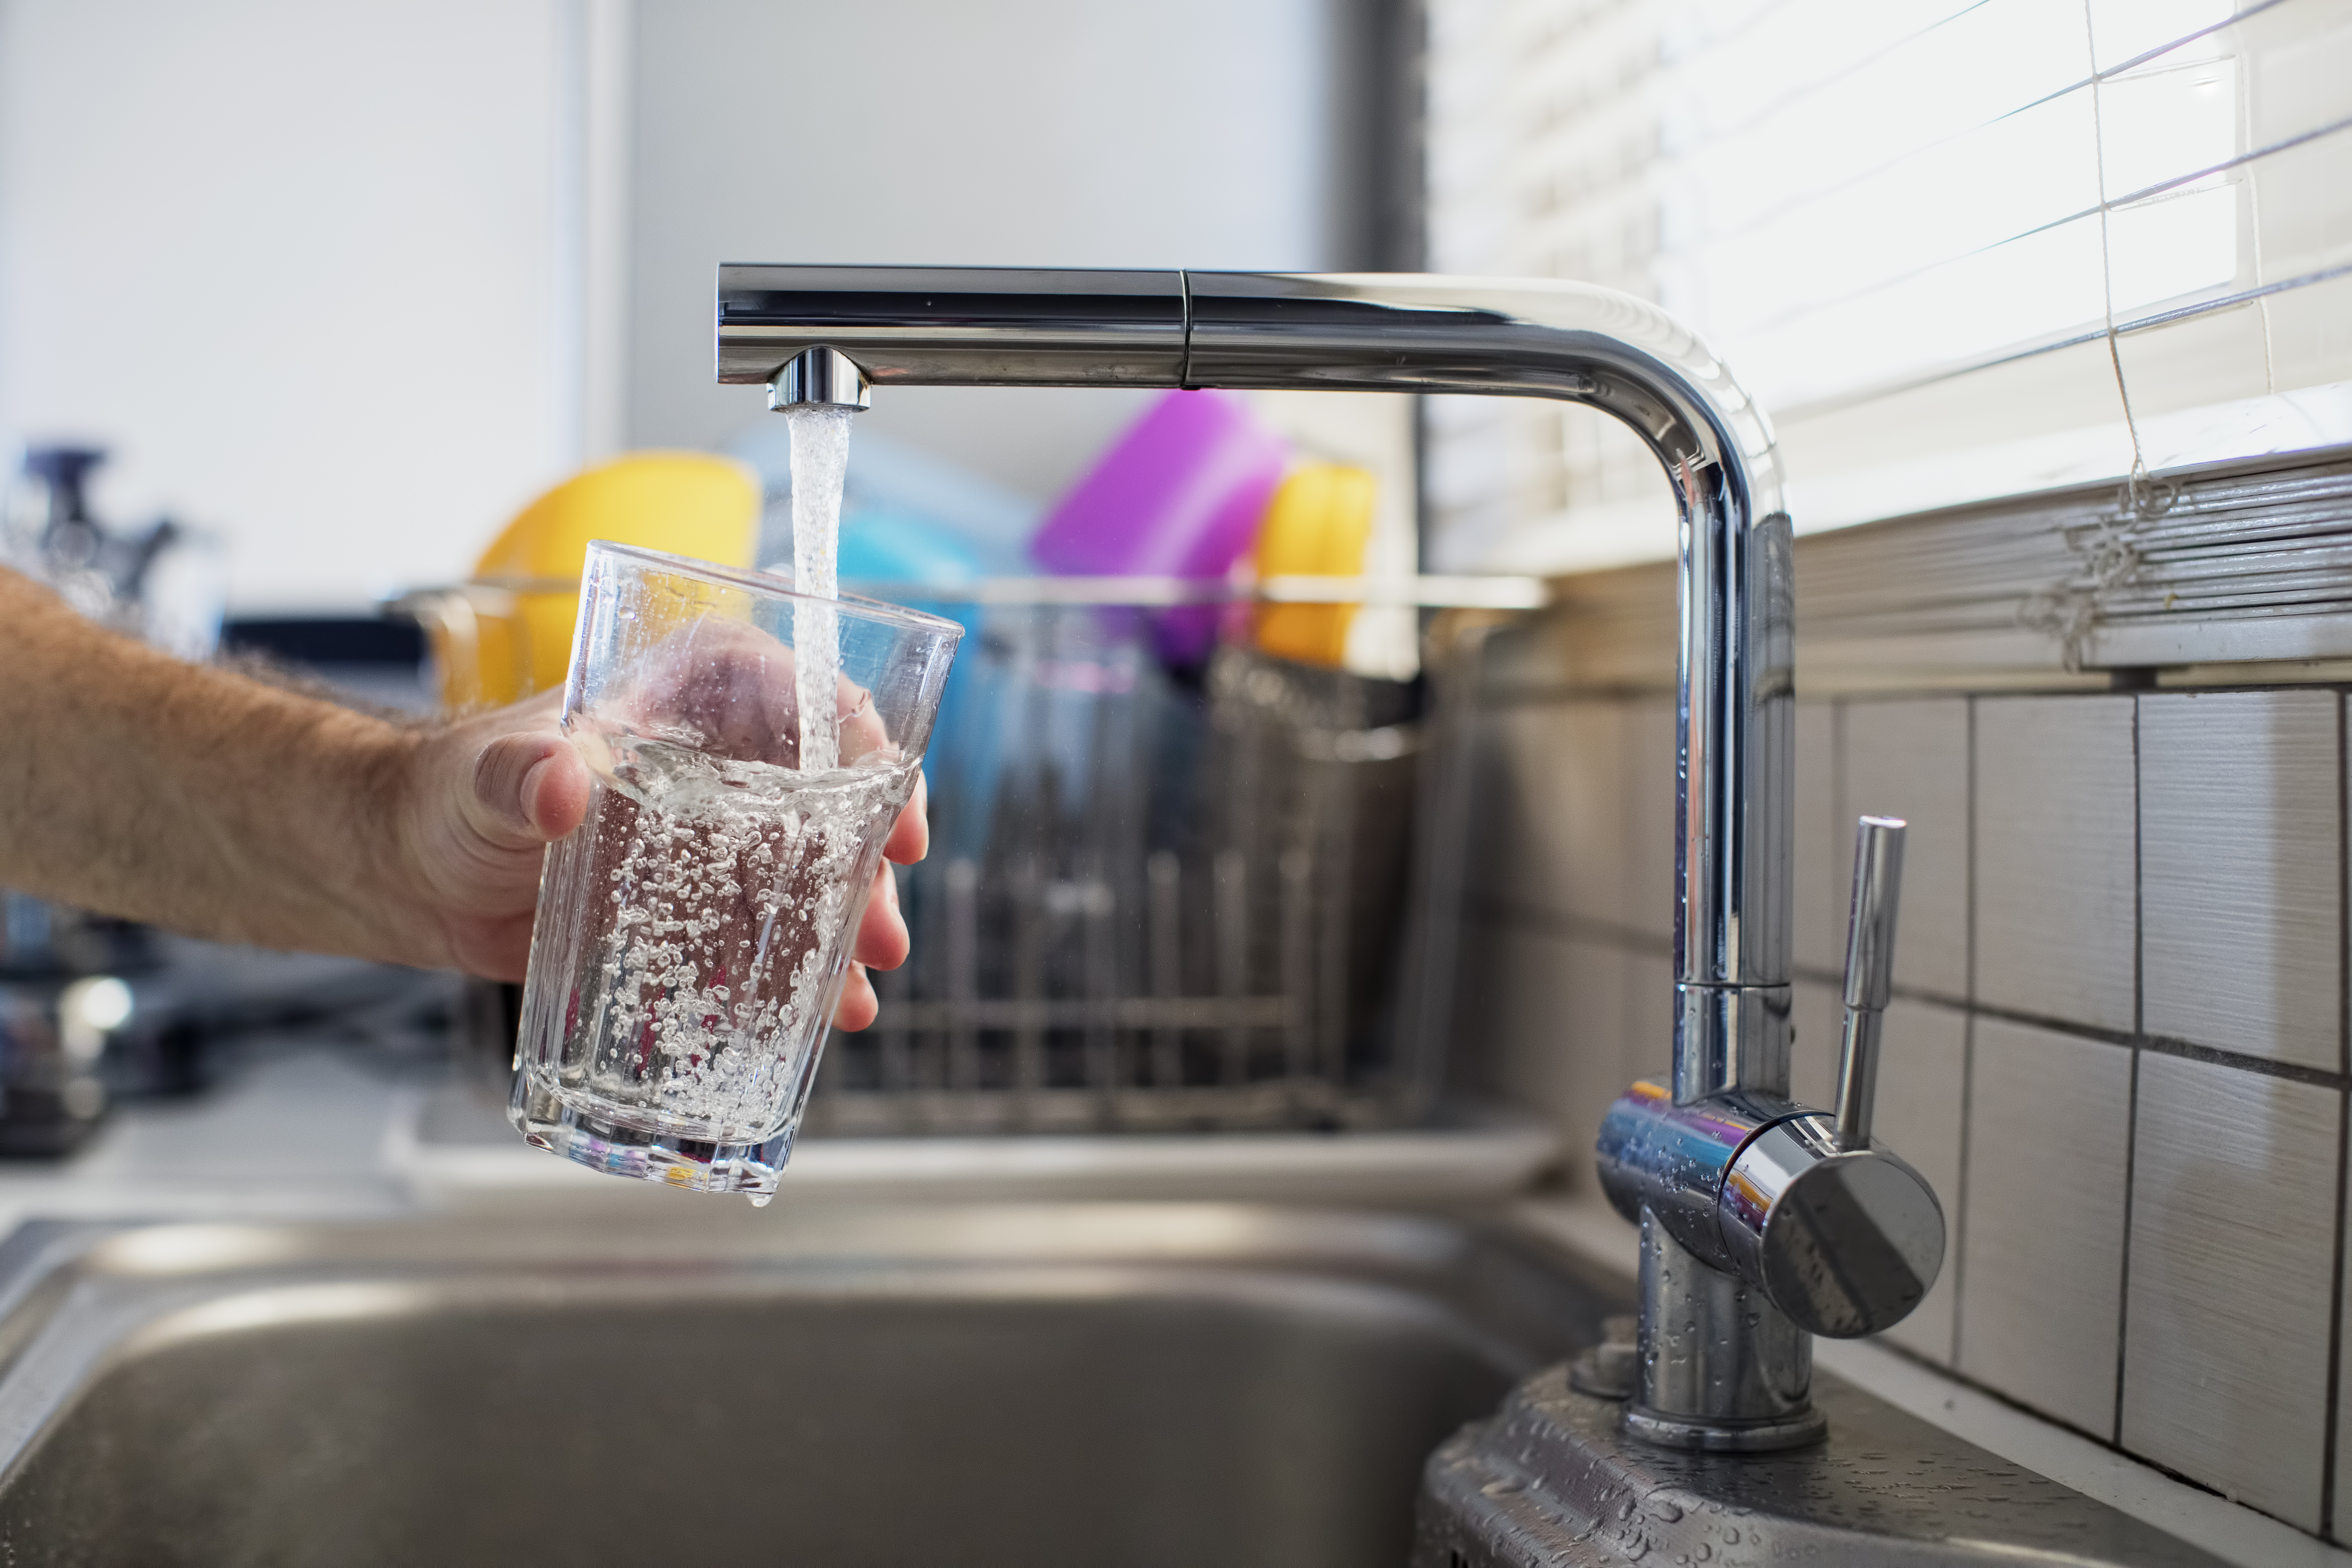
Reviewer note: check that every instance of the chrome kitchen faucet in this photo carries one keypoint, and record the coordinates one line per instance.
(1761, 1222)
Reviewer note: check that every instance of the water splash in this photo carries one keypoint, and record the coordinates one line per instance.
(820, 438)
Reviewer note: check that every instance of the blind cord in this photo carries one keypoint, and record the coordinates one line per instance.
(2109, 552)
(2142, 497)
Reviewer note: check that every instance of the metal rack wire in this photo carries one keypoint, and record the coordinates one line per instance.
(1158, 899)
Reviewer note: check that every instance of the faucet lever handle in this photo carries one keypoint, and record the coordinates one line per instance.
(1869, 971)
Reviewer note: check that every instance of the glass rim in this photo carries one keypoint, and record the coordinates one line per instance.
(773, 585)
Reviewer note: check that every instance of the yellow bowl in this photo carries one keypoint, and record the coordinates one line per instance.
(506, 633)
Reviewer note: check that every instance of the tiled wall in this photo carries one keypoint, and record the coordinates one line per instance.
(2118, 1046)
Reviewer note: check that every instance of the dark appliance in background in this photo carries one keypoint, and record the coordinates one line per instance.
(95, 1010)
(66, 993)
(65, 974)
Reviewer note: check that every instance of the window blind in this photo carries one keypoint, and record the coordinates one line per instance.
(1958, 248)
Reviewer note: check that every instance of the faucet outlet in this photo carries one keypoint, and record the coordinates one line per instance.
(820, 375)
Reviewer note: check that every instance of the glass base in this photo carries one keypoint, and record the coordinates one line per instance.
(585, 1138)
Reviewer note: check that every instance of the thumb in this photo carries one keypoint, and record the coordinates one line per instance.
(527, 790)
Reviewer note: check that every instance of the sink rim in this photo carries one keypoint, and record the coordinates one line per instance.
(77, 1296)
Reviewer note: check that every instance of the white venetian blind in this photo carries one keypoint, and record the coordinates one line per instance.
(1958, 250)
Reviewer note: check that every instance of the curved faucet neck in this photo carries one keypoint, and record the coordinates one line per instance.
(1398, 332)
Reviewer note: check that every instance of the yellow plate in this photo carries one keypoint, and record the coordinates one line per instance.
(1318, 525)
(507, 633)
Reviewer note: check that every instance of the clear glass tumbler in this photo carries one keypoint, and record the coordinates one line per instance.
(693, 934)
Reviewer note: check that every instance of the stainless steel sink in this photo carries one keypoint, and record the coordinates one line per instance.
(1099, 1384)
(1130, 1383)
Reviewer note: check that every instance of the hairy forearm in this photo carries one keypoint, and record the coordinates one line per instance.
(133, 784)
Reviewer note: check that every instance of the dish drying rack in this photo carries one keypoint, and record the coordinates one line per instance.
(1168, 900)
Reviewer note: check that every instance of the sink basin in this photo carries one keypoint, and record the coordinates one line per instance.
(846, 1384)
(1067, 1384)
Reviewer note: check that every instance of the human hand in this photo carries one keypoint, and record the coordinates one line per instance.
(726, 688)
(480, 800)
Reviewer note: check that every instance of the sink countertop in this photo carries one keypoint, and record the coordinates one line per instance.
(309, 1129)
(290, 1134)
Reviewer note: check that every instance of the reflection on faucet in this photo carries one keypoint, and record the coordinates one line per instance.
(1761, 1213)
(1725, 1360)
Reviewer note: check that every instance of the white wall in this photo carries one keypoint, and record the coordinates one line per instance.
(1071, 133)
(302, 265)
(348, 281)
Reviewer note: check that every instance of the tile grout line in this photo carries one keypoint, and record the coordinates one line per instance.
(1839, 834)
(2332, 1442)
(1838, 806)
(2131, 1117)
(1968, 1032)
(1511, 912)
(2332, 1445)
(2213, 1056)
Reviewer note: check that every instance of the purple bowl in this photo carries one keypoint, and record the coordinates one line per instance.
(1180, 495)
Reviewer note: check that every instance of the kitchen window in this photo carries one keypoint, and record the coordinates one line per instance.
(1958, 250)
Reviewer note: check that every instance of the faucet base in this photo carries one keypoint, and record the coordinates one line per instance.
(1552, 1478)
(1806, 1427)
(1720, 1369)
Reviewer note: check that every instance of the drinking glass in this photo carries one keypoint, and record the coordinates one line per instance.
(694, 932)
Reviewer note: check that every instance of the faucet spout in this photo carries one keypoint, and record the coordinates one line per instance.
(1393, 332)
(825, 377)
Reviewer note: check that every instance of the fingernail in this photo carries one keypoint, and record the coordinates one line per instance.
(527, 794)
(502, 781)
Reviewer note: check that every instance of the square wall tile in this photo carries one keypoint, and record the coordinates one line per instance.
(2340, 1527)
(1489, 857)
(2042, 1220)
(1817, 932)
(2232, 1281)
(1818, 1010)
(1558, 840)
(2055, 841)
(1648, 1044)
(1543, 1026)
(1911, 759)
(2241, 850)
(1475, 1046)
(1922, 1090)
